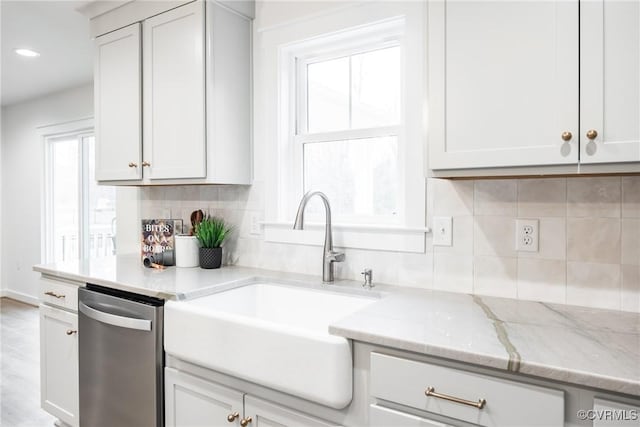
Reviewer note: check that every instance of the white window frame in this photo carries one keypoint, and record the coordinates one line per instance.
(79, 129)
(389, 36)
(405, 23)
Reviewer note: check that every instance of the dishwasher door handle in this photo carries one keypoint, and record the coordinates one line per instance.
(112, 319)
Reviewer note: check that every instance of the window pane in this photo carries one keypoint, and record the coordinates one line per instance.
(328, 95)
(102, 210)
(375, 83)
(360, 176)
(65, 201)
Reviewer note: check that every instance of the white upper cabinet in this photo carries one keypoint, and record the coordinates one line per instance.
(522, 87)
(193, 63)
(174, 93)
(610, 81)
(117, 94)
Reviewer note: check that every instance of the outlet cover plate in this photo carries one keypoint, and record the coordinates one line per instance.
(527, 235)
(255, 227)
(442, 231)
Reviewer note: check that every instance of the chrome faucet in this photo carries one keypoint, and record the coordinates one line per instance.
(329, 255)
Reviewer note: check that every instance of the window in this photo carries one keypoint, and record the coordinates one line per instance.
(350, 114)
(347, 135)
(79, 214)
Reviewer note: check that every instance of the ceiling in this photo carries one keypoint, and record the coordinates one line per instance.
(59, 33)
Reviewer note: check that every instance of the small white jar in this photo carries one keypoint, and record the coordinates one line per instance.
(187, 251)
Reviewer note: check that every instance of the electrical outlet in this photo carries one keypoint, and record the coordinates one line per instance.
(255, 226)
(442, 235)
(527, 231)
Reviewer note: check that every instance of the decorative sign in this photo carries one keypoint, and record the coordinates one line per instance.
(158, 235)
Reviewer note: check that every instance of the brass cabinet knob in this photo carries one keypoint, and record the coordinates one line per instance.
(592, 134)
(245, 421)
(566, 136)
(71, 332)
(232, 417)
(133, 165)
(146, 164)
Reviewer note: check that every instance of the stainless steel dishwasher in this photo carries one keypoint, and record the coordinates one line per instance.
(121, 358)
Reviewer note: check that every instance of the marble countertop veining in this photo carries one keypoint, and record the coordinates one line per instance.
(584, 346)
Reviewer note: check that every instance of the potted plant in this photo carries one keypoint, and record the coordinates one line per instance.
(211, 233)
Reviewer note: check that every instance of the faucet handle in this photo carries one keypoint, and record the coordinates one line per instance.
(334, 256)
(368, 277)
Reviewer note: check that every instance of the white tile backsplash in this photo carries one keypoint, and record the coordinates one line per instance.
(495, 276)
(593, 240)
(589, 238)
(594, 285)
(594, 197)
(495, 236)
(631, 241)
(630, 297)
(496, 197)
(542, 197)
(542, 280)
(631, 196)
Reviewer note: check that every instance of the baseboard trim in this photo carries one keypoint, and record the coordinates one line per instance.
(19, 296)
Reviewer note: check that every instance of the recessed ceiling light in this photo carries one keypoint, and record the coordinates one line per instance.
(26, 52)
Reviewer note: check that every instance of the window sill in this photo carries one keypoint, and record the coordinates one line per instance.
(372, 237)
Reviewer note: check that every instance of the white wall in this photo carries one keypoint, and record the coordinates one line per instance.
(22, 164)
(573, 266)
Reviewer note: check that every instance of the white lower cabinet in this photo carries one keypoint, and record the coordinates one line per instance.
(608, 413)
(385, 417)
(59, 363)
(194, 402)
(266, 414)
(464, 395)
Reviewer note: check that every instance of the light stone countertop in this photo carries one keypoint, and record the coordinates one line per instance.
(126, 272)
(584, 346)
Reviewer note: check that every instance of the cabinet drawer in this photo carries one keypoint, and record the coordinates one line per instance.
(59, 293)
(385, 417)
(608, 413)
(507, 402)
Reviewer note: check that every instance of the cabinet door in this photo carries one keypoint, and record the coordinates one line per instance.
(193, 402)
(503, 83)
(59, 363)
(117, 91)
(610, 81)
(266, 414)
(174, 94)
(385, 417)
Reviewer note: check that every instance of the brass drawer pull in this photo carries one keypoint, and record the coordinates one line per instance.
(430, 391)
(71, 332)
(232, 417)
(53, 294)
(245, 421)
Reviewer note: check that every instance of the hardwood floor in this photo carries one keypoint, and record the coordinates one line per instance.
(20, 366)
